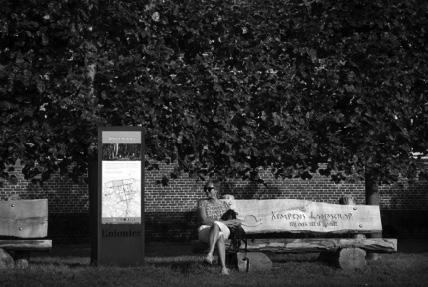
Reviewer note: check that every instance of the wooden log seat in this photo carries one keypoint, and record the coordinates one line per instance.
(23, 228)
(14, 253)
(300, 245)
(261, 217)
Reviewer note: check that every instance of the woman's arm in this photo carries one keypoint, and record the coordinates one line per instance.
(232, 222)
(202, 214)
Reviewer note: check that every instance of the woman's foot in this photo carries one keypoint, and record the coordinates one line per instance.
(209, 258)
(224, 271)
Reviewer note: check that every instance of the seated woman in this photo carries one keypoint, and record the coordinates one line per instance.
(213, 230)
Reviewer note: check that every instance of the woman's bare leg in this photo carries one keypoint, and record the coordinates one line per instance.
(222, 254)
(214, 234)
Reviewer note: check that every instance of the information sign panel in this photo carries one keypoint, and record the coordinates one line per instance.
(120, 236)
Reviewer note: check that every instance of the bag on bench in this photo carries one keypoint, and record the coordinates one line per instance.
(237, 233)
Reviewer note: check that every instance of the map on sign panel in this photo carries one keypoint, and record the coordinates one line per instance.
(121, 194)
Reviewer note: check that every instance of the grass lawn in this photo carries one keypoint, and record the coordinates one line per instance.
(70, 267)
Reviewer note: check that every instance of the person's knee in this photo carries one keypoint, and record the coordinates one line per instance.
(215, 227)
(221, 238)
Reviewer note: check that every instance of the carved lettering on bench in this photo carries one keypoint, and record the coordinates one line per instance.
(299, 219)
(287, 216)
(333, 216)
(300, 215)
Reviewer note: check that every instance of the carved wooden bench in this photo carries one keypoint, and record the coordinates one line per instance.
(347, 223)
(23, 228)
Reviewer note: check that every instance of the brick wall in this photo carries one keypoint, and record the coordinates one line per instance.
(182, 194)
(170, 210)
(64, 196)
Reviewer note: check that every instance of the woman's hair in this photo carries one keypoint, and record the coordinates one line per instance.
(211, 183)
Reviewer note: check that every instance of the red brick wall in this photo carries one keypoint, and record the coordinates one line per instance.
(170, 209)
(64, 196)
(405, 196)
(182, 194)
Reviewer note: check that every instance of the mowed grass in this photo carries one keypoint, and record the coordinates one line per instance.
(400, 269)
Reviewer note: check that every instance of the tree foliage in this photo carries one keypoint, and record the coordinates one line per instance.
(221, 87)
(369, 74)
(47, 112)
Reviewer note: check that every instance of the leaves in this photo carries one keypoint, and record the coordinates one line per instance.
(221, 87)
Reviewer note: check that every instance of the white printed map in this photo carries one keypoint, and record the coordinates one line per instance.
(121, 192)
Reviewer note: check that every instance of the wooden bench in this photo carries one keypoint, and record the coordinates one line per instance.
(23, 228)
(343, 229)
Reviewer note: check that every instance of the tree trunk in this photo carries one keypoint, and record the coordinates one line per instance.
(372, 191)
(93, 207)
(6, 260)
(372, 198)
(91, 71)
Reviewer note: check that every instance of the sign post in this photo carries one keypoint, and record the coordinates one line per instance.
(120, 197)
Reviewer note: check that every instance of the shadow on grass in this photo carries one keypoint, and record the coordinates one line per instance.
(391, 270)
(294, 257)
(412, 245)
(188, 268)
(69, 261)
(65, 250)
(59, 263)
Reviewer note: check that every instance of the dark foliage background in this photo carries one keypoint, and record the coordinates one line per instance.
(221, 87)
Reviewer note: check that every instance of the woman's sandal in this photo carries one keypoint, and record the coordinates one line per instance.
(209, 259)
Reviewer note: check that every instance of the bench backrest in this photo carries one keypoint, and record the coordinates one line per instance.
(302, 216)
(24, 218)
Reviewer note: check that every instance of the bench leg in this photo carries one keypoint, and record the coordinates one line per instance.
(21, 259)
(346, 258)
(6, 260)
(253, 262)
(373, 256)
(352, 258)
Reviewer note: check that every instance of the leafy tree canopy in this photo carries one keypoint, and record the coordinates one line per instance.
(221, 87)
